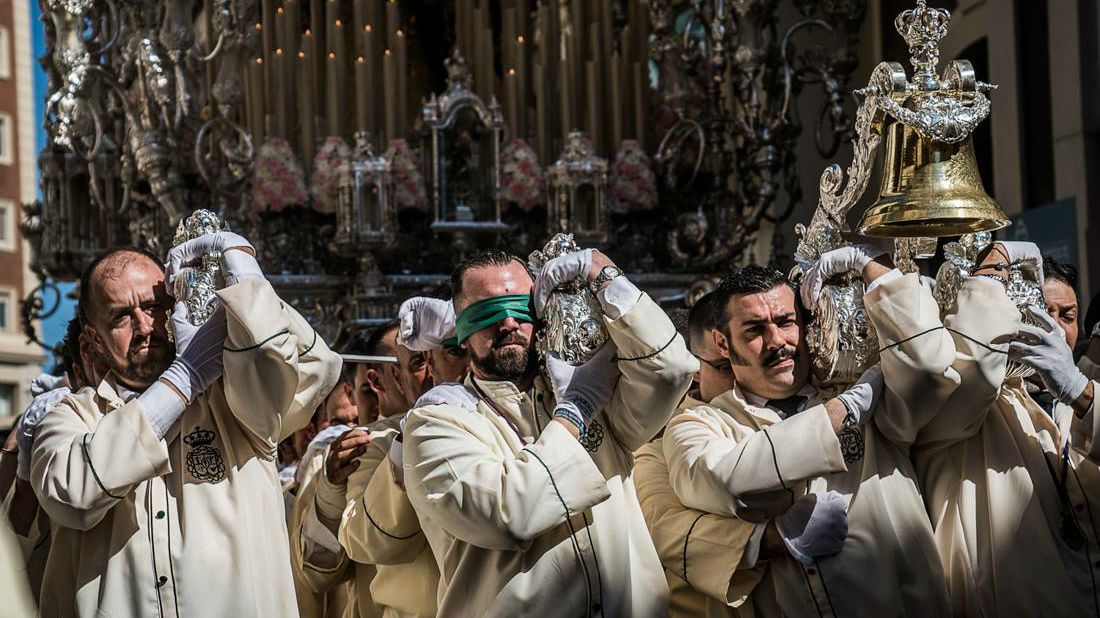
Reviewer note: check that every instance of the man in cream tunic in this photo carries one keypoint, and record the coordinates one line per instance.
(839, 525)
(167, 502)
(524, 518)
(1014, 493)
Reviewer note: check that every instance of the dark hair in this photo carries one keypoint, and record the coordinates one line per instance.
(69, 350)
(706, 314)
(482, 259)
(375, 343)
(366, 343)
(742, 282)
(85, 290)
(1060, 271)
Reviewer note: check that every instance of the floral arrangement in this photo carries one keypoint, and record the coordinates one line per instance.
(407, 183)
(633, 183)
(279, 180)
(325, 180)
(521, 178)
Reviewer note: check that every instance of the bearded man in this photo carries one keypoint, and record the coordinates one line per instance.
(522, 482)
(161, 481)
(821, 482)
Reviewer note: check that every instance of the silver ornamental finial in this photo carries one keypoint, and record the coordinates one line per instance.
(195, 285)
(923, 28)
(573, 318)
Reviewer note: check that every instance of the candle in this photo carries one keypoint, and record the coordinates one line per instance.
(402, 84)
(616, 102)
(393, 22)
(521, 83)
(332, 95)
(280, 100)
(312, 41)
(640, 92)
(332, 15)
(305, 111)
(541, 121)
(372, 66)
(256, 72)
(593, 110)
(390, 80)
(361, 93)
(511, 103)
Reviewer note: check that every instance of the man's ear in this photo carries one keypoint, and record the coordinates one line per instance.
(721, 342)
(374, 381)
(95, 345)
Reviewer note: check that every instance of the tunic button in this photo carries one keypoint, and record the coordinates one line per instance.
(163, 580)
(811, 571)
(160, 514)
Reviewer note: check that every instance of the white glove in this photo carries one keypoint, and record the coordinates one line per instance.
(851, 259)
(46, 382)
(1045, 350)
(237, 265)
(397, 447)
(425, 323)
(1022, 252)
(448, 394)
(28, 424)
(861, 397)
(558, 271)
(815, 526)
(583, 391)
(198, 352)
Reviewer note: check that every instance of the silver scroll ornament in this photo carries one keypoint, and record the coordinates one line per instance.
(573, 326)
(1024, 285)
(195, 285)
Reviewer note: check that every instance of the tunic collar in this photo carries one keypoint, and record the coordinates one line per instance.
(758, 406)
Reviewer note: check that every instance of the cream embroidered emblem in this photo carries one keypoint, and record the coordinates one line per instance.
(204, 462)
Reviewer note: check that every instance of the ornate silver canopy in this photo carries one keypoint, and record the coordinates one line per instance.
(578, 189)
(574, 328)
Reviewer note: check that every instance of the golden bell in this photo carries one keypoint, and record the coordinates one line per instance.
(930, 188)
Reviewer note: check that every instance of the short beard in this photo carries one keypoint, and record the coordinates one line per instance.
(508, 365)
(143, 373)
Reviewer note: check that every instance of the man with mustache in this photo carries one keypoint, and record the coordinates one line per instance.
(160, 480)
(830, 518)
(522, 480)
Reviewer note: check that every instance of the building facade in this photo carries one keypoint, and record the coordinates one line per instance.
(20, 361)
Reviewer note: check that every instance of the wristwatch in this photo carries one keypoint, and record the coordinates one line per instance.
(607, 273)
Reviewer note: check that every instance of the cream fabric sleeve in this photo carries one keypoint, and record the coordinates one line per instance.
(457, 473)
(754, 476)
(701, 548)
(984, 314)
(917, 354)
(379, 525)
(277, 369)
(82, 467)
(318, 562)
(656, 372)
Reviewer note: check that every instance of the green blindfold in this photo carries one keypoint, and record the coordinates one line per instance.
(486, 312)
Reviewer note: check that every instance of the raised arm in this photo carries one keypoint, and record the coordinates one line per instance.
(456, 474)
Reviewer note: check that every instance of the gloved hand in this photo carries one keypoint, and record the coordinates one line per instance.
(861, 397)
(237, 265)
(198, 352)
(448, 394)
(815, 526)
(396, 457)
(851, 259)
(557, 271)
(1022, 252)
(425, 323)
(583, 391)
(1045, 350)
(28, 423)
(46, 382)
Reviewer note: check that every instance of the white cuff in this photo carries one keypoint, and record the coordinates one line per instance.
(161, 406)
(317, 533)
(885, 278)
(619, 297)
(239, 265)
(752, 549)
(330, 498)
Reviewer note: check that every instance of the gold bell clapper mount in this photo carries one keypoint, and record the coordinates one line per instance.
(931, 185)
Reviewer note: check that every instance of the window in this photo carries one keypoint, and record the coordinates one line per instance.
(7, 400)
(7, 143)
(5, 54)
(7, 310)
(7, 225)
